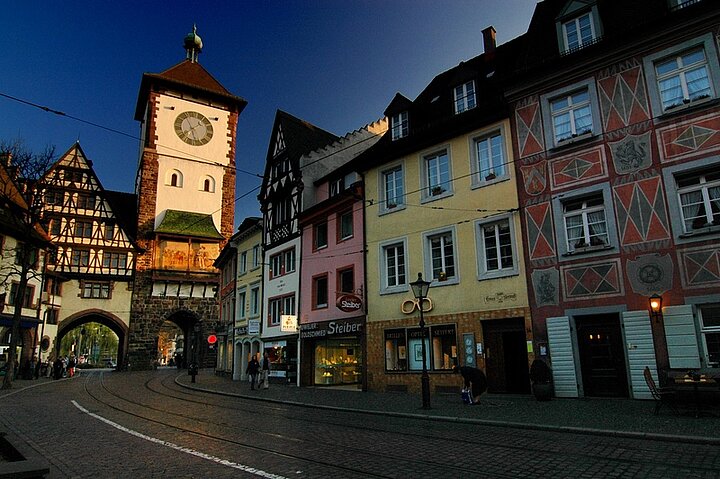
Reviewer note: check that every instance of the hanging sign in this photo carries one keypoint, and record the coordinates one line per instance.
(288, 323)
(349, 303)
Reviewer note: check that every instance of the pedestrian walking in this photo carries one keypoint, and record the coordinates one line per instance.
(71, 366)
(58, 367)
(252, 370)
(473, 379)
(265, 373)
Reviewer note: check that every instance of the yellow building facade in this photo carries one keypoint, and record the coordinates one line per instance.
(449, 211)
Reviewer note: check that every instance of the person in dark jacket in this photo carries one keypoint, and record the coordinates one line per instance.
(265, 372)
(473, 378)
(252, 369)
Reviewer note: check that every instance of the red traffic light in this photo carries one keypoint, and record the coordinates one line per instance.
(212, 339)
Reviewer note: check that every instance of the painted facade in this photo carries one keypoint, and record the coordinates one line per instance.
(616, 147)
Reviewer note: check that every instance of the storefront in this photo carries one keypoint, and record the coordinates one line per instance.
(332, 352)
(282, 354)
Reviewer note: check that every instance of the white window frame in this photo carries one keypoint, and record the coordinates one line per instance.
(256, 256)
(483, 271)
(670, 173)
(481, 176)
(385, 287)
(241, 303)
(439, 189)
(707, 43)
(243, 262)
(703, 187)
(547, 113)
(399, 125)
(427, 238)
(558, 205)
(386, 201)
(704, 331)
(341, 219)
(255, 299)
(464, 97)
(581, 43)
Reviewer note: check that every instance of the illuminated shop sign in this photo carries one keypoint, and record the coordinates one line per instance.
(332, 328)
(349, 303)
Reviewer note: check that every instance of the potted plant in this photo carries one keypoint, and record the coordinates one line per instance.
(541, 378)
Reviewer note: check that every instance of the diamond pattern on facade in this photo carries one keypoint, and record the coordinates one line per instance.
(592, 280)
(529, 130)
(693, 138)
(578, 168)
(641, 212)
(623, 99)
(701, 267)
(541, 243)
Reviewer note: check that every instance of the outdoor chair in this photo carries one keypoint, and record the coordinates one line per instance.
(661, 396)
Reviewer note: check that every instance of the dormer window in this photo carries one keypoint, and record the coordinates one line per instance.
(464, 97)
(399, 125)
(337, 186)
(579, 32)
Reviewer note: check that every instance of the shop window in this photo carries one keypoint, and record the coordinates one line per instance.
(403, 348)
(709, 318)
(338, 361)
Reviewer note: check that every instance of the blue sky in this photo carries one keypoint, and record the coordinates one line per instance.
(336, 64)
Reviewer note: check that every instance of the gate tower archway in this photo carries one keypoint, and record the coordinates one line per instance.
(116, 325)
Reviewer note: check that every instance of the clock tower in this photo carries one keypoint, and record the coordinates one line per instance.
(185, 186)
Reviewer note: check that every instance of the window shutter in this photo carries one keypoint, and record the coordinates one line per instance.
(681, 337)
(640, 350)
(562, 356)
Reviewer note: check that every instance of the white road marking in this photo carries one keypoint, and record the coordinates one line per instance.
(186, 450)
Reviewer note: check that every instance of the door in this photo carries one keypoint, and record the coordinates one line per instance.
(602, 355)
(506, 356)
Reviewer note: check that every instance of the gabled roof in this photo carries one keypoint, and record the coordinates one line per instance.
(398, 104)
(185, 223)
(12, 210)
(186, 75)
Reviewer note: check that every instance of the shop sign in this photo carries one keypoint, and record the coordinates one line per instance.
(288, 323)
(254, 326)
(241, 331)
(349, 303)
(331, 328)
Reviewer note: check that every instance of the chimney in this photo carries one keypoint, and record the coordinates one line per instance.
(489, 39)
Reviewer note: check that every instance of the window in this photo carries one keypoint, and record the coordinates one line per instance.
(337, 186)
(208, 184)
(80, 257)
(282, 263)
(174, 178)
(571, 116)
(585, 223)
(683, 79)
(109, 231)
(83, 229)
(280, 306)
(55, 224)
(440, 248)
(681, 76)
(709, 316)
(320, 292)
(242, 304)
(393, 266)
(496, 251)
(464, 97)
(114, 260)
(437, 174)
(399, 125)
(578, 32)
(85, 201)
(95, 290)
(281, 211)
(699, 195)
(345, 225)
(489, 153)
(255, 301)
(403, 348)
(243, 262)
(571, 111)
(54, 197)
(27, 299)
(52, 315)
(393, 192)
(256, 256)
(320, 235)
(346, 280)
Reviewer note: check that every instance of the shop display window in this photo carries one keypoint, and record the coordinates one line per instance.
(338, 361)
(403, 348)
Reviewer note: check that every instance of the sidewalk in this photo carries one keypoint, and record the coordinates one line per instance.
(617, 417)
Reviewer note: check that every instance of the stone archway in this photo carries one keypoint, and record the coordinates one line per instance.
(116, 325)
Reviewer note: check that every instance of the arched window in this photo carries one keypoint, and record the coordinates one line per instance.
(207, 184)
(174, 178)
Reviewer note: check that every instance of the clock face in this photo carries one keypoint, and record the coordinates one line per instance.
(193, 128)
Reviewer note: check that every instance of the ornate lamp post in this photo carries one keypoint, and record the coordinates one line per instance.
(420, 290)
(655, 303)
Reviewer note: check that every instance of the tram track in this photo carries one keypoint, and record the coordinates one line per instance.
(224, 439)
(566, 447)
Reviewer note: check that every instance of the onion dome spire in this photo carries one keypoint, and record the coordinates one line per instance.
(193, 45)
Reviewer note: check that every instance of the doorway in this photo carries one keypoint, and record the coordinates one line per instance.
(506, 358)
(602, 355)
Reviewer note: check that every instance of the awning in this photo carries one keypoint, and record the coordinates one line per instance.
(26, 322)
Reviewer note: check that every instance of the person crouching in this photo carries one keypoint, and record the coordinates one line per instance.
(474, 379)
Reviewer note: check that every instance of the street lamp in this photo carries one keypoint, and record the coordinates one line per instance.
(655, 303)
(420, 290)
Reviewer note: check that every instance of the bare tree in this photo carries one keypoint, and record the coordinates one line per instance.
(22, 175)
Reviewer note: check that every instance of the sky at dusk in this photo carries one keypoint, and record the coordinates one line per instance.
(336, 64)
